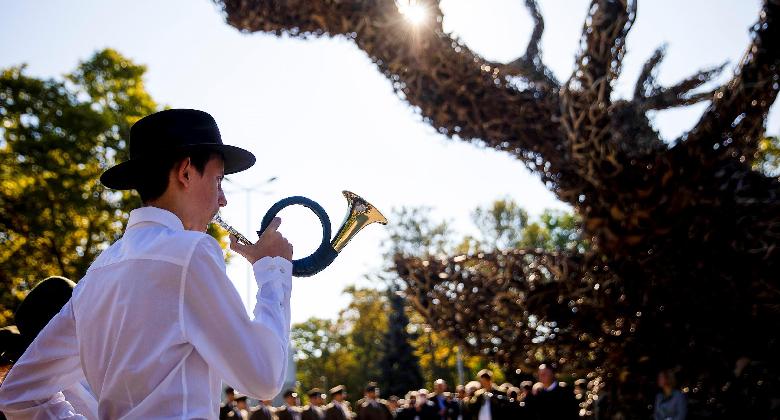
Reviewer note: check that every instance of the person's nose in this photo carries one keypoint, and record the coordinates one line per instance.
(222, 199)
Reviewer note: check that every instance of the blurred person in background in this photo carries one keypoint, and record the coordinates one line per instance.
(670, 403)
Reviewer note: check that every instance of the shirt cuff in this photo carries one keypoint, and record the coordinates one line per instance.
(273, 274)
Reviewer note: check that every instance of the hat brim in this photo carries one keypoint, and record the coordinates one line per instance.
(124, 176)
(41, 304)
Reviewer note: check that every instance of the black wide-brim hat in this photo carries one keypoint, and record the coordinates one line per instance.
(168, 133)
(41, 304)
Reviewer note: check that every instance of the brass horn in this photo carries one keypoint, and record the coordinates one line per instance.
(360, 214)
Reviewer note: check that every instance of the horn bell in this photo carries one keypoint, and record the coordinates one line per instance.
(361, 214)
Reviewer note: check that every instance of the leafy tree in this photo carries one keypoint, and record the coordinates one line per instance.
(365, 318)
(685, 233)
(400, 366)
(321, 355)
(767, 158)
(501, 223)
(345, 351)
(414, 233)
(58, 136)
(56, 139)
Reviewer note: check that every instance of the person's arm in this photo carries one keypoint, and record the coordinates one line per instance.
(32, 389)
(682, 406)
(656, 408)
(249, 354)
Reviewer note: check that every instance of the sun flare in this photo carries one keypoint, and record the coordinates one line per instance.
(412, 11)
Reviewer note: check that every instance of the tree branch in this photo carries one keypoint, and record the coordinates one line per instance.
(646, 83)
(648, 95)
(733, 124)
(456, 90)
(531, 64)
(680, 94)
(586, 96)
(514, 297)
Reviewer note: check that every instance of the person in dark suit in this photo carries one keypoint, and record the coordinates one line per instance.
(264, 411)
(393, 403)
(241, 409)
(314, 410)
(488, 402)
(446, 407)
(227, 406)
(338, 409)
(290, 410)
(418, 407)
(370, 407)
(515, 408)
(554, 400)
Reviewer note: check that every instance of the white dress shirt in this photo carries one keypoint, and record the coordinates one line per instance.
(81, 398)
(155, 326)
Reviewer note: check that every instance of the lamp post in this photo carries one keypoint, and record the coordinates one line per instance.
(248, 190)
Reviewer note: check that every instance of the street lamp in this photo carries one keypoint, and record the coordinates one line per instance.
(248, 190)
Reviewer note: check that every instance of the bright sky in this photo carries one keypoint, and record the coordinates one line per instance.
(321, 118)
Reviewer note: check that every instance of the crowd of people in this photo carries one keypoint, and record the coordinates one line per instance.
(478, 400)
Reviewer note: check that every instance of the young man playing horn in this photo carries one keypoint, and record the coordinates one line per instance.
(155, 325)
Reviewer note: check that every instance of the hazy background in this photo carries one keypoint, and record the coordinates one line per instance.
(321, 118)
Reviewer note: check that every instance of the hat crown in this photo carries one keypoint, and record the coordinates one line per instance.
(171, 129)
(160, 136)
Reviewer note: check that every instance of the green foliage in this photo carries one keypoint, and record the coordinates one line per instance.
(414, 233)
(345, 351)
(379, 337)
(768, 157)
(500, 223)
(56, 139)
(503, 225)
(400, 366)
(438, 356)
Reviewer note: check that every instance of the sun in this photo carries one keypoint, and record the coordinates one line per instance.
(414, 12)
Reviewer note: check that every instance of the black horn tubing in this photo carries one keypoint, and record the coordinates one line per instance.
(324, 255)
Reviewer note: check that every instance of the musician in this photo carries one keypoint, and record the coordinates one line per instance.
(314, 410)
(155, 324)
(338, 409)
(447, 409)
(370, 407)
(290, 409)
(264, 411)
(227, 406)
(240, 409)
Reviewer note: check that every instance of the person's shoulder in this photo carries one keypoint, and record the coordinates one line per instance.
(202, 245)
(180, 245)
(197, 238)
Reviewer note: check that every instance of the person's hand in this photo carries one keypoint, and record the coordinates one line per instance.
(270, 244)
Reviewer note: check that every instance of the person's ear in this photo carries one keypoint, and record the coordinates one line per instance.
(184, 172)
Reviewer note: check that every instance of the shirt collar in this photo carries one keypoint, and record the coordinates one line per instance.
(552, 386)
(154, 215)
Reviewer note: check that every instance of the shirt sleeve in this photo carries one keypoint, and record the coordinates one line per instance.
(249, 354)
(32, 389)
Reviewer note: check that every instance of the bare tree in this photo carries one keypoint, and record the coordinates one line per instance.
(684, 267)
